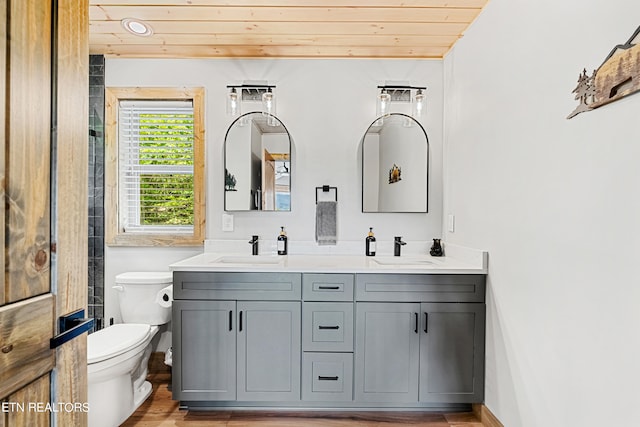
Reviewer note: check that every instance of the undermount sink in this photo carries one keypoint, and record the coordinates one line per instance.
(248, 260)
(401, 261)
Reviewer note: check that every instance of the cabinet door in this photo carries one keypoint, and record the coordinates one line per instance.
(269, 351)
(204, 350)
(452, 352)
(386, 355)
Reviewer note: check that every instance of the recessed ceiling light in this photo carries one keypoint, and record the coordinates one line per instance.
(137, 27)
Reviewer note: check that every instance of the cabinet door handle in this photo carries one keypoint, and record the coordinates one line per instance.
(416, 330)
(330, 288)
(231, 320)
(426, 322)
(240, 325)
(322, 378)
(328, 327)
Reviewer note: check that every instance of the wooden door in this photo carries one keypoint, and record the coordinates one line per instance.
(387, 352)
(44, 226)
(269, 350)
(268, 181)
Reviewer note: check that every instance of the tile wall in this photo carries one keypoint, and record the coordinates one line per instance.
(96, 189)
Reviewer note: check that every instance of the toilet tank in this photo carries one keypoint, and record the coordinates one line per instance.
(137, 295)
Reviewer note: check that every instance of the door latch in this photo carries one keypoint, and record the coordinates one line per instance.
(70, 326)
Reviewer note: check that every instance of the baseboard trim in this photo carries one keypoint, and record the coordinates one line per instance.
(485, 416)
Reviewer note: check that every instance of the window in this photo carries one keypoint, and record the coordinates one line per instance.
(155, 167)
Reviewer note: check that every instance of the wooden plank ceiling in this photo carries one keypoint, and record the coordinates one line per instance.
(282, 28)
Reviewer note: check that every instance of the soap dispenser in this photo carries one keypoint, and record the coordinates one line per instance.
(370, 244)
(282, 242)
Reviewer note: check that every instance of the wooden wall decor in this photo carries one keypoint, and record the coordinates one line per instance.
(617, 77)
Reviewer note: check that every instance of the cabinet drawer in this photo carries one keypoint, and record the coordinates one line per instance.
(327, 287)
(237, 286)
(327, 376)
(327, 326)
(420, 287)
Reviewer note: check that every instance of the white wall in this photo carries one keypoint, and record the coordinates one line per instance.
(556, 203)
(326, 105)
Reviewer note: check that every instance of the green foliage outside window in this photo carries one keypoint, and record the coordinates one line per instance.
(166, 141)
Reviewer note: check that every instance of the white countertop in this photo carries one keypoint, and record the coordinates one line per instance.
(468, 262)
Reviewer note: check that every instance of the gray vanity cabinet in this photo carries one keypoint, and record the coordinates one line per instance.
(421, 351)
(237, 336)
(429, 352)
(328, 340)
(244, 350)
(204, 351)
(269, 349)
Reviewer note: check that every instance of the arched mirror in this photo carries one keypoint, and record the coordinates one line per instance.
(257, 162)
(395, 165)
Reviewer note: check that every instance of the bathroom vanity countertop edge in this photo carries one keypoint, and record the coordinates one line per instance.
(424, 264)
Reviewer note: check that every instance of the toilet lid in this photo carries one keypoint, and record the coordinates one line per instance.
(115, 340)
(145, 277)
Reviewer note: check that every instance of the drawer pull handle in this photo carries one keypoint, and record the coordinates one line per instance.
(240, 323)
(321, 378)
(329, 288)
(7, 348)
(416, 330)
(328, 327)
(231, 320)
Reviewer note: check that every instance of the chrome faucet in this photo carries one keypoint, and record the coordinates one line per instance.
(254, 245)
(397, 244)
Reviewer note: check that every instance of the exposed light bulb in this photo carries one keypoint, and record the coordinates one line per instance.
(233, 103)
(419, 103)
(268, 103)
(269, 107)
(384, 102)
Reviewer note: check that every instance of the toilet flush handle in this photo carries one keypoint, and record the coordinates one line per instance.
(119, 288)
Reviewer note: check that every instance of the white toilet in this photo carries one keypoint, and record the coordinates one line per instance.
(117, 356)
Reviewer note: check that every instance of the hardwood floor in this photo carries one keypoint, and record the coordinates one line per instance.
(161, 411)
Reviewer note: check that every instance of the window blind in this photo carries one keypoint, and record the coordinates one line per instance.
(156, 166)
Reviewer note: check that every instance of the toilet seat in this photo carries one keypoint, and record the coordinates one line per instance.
(115, 340)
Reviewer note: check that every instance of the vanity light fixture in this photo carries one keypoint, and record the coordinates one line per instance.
(402, 94)
(253, 93)
(137, 27)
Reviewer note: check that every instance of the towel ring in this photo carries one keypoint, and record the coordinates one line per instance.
(326, 189)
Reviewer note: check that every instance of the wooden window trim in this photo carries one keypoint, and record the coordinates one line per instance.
(114, 234)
